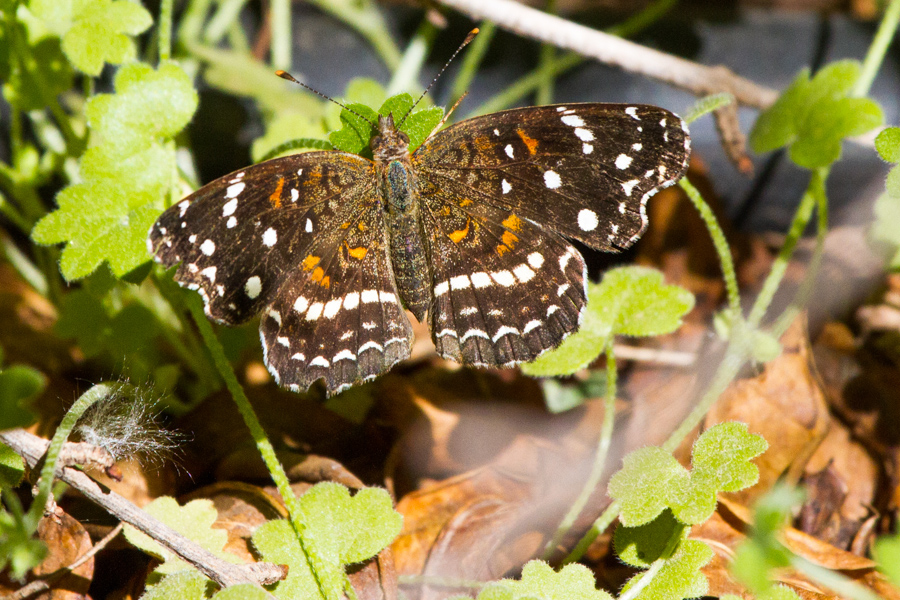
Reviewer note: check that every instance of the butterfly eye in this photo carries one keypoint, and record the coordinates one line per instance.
(404, 138)
(376, 142)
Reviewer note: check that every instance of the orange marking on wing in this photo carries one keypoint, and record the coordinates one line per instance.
(326, 282)
(358, 253)
(275, 197)
(465, 202)
(529, 141)
(513, 223)
(310, 261)
(345, 225)
(501, 250)
(317, 274)
(509, 239)
(458, 236)
(361, 226)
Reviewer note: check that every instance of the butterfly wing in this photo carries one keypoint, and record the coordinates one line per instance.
(505, 290)
(239, 237)
(585, 171)
(338, 315)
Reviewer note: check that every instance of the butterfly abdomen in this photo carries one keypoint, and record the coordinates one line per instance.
(409, 249)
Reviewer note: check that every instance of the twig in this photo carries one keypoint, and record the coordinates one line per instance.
(39, 586)
(698, 79)
(32, 449)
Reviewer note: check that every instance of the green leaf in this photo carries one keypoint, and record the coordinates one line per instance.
(127, 172)
(19, 551)
(888, 144)
(539, 580)
(184, 585)
(642, 545)
(12, 468)
(631, 301)
(194, 520)
(18, 385)
(887, 554)
(559, 398)
(649, 479)
(892, 183)
(243, 591)
(340, 530)
(720, 461)
(813, 116)
(94, 32)
(37, 79)
(356, 132)
(680, 576)
(884, 230)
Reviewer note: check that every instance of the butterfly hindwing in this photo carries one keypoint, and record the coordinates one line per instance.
(238, 237)
(505, 290)
(585, 171)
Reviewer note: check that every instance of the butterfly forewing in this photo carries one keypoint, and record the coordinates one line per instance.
(585, 171)
(238, 237)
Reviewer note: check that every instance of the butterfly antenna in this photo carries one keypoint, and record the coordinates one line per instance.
(289, 77)
(465, 43)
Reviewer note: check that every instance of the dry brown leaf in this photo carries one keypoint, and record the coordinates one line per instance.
(66, 541)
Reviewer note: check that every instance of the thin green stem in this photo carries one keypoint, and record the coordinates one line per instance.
(48, 471)
(222, 20)
(280, 25)
(776, 274)
(407, 73)
(603, 444)
(15, 217)
(191, 23)
(817, 187)
(165, 29)
(472, 60)
(544, 92)
(719, 242)
(877, 50)
(528, 84)
(647, 17)
(263, 445)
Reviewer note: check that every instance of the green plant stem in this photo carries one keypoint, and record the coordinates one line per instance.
(603, 444)
(647, 17)
(719, 242)
(48, 471)
(9, 211)
(280, 25)
(776, 274)
(833, 580)
(647, 577)
(190, 25)
(263, 445)
(544, 92)
(165, 29)
(528, 84)
(222, 20)
(471, 60)
(877, 50)
(407, 73)
(801, 298)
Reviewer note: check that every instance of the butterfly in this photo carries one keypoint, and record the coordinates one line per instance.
(469, 231)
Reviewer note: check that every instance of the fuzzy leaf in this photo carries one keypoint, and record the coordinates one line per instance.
(94, 32)
(888, 144)
(650, 477)
(539, 580)
(356, 133)
(720, 462)
(184, 585)
(12, 468)
(18, 385)
(243, 591)
(340, 530)
(640, 546)
(680, 576)
(194, 520)
(631, 301)
(813, 116)
(126, 173)
(887, 553)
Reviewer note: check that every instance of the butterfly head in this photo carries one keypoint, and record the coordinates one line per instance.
(390, 143)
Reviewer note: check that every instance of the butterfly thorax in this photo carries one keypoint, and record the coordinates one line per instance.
(409, 246)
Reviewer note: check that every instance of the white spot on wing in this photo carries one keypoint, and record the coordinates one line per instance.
(369, 296)
(552, 180)
(351, 300)
(309, 226)
(208, 247)
(232, 221)
(343, 355)
(506, 186)
(573, 120)
(504, 278)
(509, 151)
(209, 273)
(623, 161)
(531, 325)
(332, 307)
(229, 207)
(460, 282)
(536, 259)
(504, 330)
(441, 288)
(628, 186)
(235, 189)
(524, 273)
(587, 220)
(301, 304)
(314, 311)
(469, 310)
(319, 361)
(474, 333)
(637, 147)
(270, 237)
(631, 111)
(275, 316)
(481, 280)
(284, 341)
(253, 287)
(583, 134)
(294, 194)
